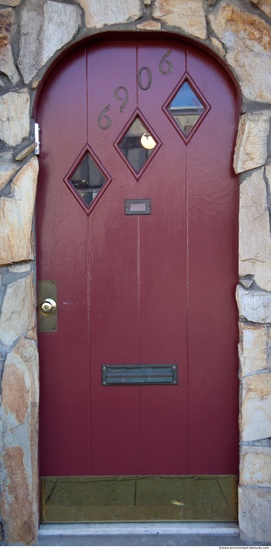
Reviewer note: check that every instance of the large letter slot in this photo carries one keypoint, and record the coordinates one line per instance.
(118, 375)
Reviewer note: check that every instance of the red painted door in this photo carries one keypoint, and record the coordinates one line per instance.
(144, 289)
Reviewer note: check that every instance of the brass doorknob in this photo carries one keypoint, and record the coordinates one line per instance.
(48, 306)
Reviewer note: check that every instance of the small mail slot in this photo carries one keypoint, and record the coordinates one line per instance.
(119, 375)
(137, 206)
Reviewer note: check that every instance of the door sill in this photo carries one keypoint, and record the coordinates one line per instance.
(139, 528)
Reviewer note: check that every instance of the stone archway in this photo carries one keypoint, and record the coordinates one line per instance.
(239, 33)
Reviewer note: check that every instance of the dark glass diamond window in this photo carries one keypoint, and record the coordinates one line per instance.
(137, 145)
(87, 179)
(186, 108)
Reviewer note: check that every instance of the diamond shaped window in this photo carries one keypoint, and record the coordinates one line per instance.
(186, 108)
(87, 179)
(137, 145)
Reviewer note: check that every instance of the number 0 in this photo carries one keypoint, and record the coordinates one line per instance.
(149, 79)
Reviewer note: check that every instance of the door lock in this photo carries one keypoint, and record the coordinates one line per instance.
(48, 306)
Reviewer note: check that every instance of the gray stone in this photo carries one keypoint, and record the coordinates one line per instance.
(246, 38)
(14, 117)
(254, 305)
(20, 380)
(20, 268)
(12, 3)
(149, 26)
(255, 413)
(7, 66)
(105, 12)
(7, 169)
(218, 46)
(188, 15)
(251, 144)
(19, 495)
(255, 514)
(31, 43)
(60, 26)
(45, 28)
(246, 281)
(253, 348)
(18, 310)
(254, 230)
(264, 5)
(16, 216)
(255, 466)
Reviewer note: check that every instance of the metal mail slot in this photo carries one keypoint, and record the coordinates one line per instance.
(126, 375)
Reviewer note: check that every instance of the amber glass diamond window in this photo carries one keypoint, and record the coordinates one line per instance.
(186, 108)
(137, 144)
(87, 179)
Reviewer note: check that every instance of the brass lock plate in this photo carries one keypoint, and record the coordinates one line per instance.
(47, 291)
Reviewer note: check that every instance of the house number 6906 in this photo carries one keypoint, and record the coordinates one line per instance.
(144, 80)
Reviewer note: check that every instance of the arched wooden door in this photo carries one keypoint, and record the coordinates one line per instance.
(140, 376)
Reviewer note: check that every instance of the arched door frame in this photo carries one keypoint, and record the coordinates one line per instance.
(107, 43)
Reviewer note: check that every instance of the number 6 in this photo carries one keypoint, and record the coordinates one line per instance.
(106, 117)
(165, 60)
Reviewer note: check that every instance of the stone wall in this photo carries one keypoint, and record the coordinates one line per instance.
(32, 35)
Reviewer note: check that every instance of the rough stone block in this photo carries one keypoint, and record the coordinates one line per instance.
(253, 348)
(218, 46)
(254, 305)
(12, 3)
(255, 466)
(15, 391)
(14, 117)
(20, 380)
(7, 66)
(105, 12)
(254, 230)
(188, 15)
(247, 40)
(16, 215)
(19, 509)
(20, 268)
(18, 310)
(255, 514)
(251, 144)
(7, 169)
(60, 26)
(255, 413)
(20, 396)
(264, 5)
(149, 26)
(50, 25)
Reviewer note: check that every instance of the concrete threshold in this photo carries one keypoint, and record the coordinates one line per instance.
(140, 528)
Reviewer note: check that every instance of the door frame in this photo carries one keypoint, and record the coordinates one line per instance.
(108, 35)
